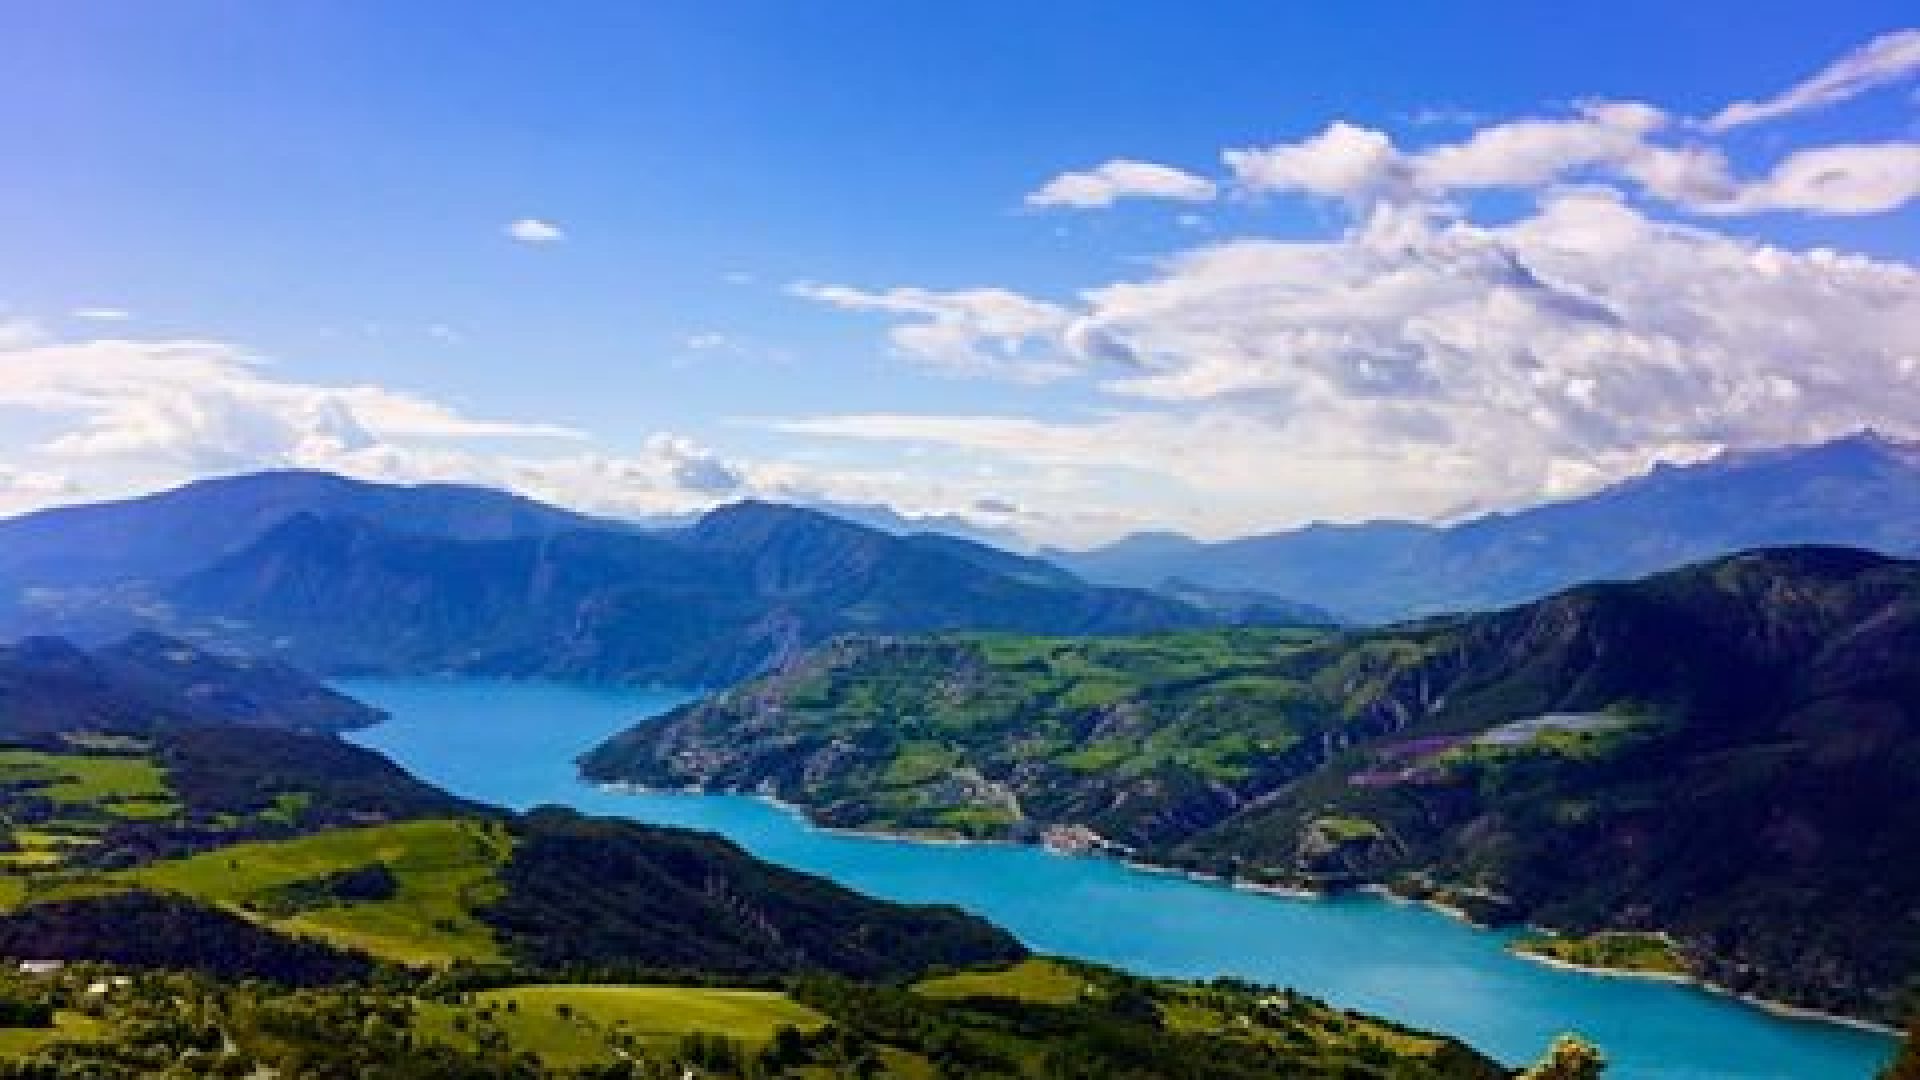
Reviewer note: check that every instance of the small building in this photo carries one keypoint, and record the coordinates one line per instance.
(41, 967)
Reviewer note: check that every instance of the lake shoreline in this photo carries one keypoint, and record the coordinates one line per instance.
(1379, 890)
(1681, 978)
(475, 738)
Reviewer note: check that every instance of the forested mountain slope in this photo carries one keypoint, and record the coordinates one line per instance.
(1725, 752)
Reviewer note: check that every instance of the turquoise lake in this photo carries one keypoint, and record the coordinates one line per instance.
(513, 744)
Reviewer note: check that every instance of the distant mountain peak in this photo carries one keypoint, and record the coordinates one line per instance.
(1858, 490)
(1868, 442)
(753, 522)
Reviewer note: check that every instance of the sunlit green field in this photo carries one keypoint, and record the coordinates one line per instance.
(1038, 980)
(89, 792)
(1651, 954)
(569, 1025)
(445, 869)
(68, 1026)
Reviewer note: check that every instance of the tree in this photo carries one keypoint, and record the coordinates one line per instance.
(1572, 1058)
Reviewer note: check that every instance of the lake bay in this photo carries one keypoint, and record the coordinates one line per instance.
(513, 744)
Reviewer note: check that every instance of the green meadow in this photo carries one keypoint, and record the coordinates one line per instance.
(573, 1025)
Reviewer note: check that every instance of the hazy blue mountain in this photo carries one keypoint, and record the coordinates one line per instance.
(742, 589)
(158, 537)
(1860, 491)
(148, 681)
(887, 519)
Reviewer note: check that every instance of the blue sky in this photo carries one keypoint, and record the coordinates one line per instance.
(1358, 260)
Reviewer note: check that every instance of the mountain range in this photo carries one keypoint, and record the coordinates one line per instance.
(1858, 491)
(343, 576)
(340, 575)
(1724, 754)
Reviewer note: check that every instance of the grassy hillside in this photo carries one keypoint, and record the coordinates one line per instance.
(100, 1021)
(244, 901)
(438, 874)
(1723, 752)
(976, 734)
(433, 882)
(575, 1025)
(81, 802)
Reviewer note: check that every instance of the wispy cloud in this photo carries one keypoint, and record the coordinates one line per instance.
(1107, 184)
(965, 331)
(1888, 59)
(101, 314)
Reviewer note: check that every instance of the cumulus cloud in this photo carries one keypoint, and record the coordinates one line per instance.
(1618, 142)
(1532, 153)
(1345, 162)
(1421, 362)
(1887, 59)
(1116, 180)
(969, 331)
(1610, 141)
(102, 418)
(534, 231)
(206, 405)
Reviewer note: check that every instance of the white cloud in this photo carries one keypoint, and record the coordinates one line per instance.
(1603, 140)
(101, 314)
(1115, 180)
(965, 331)
(534, 231)
(1344, 162)
(1421, 362)
(1863, 179)
(206, 405)
(1887, 59)
(1533, 153)
(109, 417)
(1613, 141)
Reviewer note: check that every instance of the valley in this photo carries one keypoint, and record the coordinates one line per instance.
(187, 805)
(1518, 766)
(1085, 540)
(1379, 955)
(229, 896)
